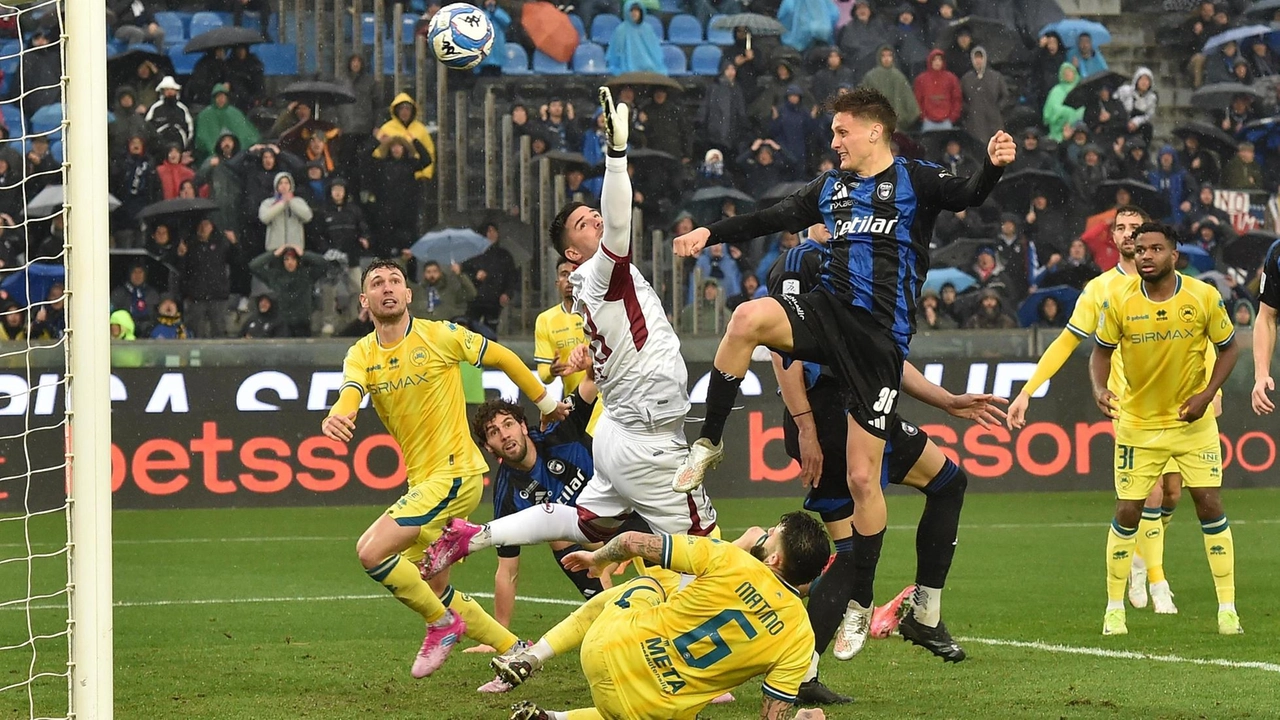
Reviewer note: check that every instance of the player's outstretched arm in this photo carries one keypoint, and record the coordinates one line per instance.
(983, 408)
(1055, 356)
(620, 549)
(1264, 344)
(794, 213)
(616, 194)
(500, 358)
(956, 194)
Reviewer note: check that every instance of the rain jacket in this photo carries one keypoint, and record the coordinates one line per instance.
(212, 124)
(634, 48)
(938, 92)
(125, 321)
(414, 130)
(1141, 106)
(1175, 184)
(808, 22)
(896, 87)
(500, 20)
(1057, 114)
(285, 220)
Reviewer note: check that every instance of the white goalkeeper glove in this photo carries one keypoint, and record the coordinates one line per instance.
(617, 121)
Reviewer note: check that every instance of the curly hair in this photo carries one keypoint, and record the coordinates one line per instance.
(489, 411)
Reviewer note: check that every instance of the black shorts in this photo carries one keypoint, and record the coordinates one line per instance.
(831, 498)
(863, 356)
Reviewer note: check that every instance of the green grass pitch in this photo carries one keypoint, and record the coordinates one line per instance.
(266, 614)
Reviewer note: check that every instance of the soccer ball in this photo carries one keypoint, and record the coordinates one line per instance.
(461, 36)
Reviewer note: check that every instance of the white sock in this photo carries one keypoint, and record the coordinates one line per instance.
(1139, 563)
(1226, 606)
(538, 524)
(554, 715)
(542, 650)
(813, 669)
(1115, 604)
(926, 605)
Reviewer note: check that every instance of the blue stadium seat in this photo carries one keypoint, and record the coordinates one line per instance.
(252, 21)
(671, 7)
(544, 64)
(602, 28)
(389, 59)
(10, 59)
(716, 36)
(408, 24)
(55, 149)
(46, 118)
(12, 113)
(706, 60)
(673, 57)
(588, 59)
(171, 23)
(684, 30)
(183, 63)
(517, 60)
(203, 22)
(655, 22)
(367, 28)
(577, 25)
(278, 58)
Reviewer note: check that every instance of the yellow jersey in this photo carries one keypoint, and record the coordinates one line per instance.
(555, 334)
(416, 387)
(736, 620)
(1084, 319)
(1165, 345)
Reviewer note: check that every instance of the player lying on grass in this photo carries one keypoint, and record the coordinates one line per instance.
(1163, 322)
(650, 655)
(410, 369)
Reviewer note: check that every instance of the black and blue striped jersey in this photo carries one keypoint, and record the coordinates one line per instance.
(1269, 291)
(878, 254)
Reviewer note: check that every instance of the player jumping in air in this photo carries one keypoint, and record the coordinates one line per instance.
(880, 211)
(410, 369)
(1162, 323)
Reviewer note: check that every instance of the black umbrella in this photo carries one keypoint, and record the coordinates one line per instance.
(935, 143)
(780, 191)
(1219, 95)
(650, 154)
(718, 193)
(177, 206)
(999, 39)
(122, 69)
(1249, 250)
(755, 23)
(644, 78)
(1141, 194)
(317, 92)
(228, 36)
(958, 253)
(705, 204)
(561, 156)
(1087, 90)
(160, 275)
(1210, 137)
(1016, 189)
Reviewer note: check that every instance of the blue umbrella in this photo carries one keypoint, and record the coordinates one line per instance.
(959, 279)
(39, 276)
(1029, 310)
(1264, 132)
(1200, 258)
(1234, 35)
(449, 245)
(1073, 28)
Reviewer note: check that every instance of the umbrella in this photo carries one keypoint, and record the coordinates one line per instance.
(449, 245)
(1220, 95)
(1143, 195)
(999, 39)
(1261, 132)
(515, 236)
(122, 68)
(1210, 137)
(643, 78)
(705, 204)
(177, 206)
(1234, 35)
(1088, 89)
(935, 143)
(780, 191)
(1249, 250)
(49, 202)
(550, 30)
(1199, 258)
(1072, 28)
(1264, 9)
(160, 275)
(227, 36)
(37, 278)
(938, 277)
(1029, 310)
(754, 23)
(316, 93)
(649, 154)
(958, 253)
(561, 156)
(1016, 189)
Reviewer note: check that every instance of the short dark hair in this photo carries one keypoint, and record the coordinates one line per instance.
(483, 228)
(430, 263)
(867, 103)
(805, 547)
(490, 410)
(560, 224)
(1131, 210)
(1167, 231)
(563, 261)
(381, 263)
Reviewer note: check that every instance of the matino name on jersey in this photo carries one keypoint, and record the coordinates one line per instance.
(865, 224)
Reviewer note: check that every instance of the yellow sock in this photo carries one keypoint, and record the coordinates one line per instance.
(1220, 548)
(1151, 543)
(481, 626)
(405, 581)
(568, 633)
(1121, 543)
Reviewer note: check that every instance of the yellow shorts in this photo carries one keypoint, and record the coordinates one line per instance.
(619, 690)
(430, 505)
(1143, 456)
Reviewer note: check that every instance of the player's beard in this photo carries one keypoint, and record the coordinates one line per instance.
(1157, 275)
(388, 317)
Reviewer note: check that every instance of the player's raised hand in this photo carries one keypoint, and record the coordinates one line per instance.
(580, 358)
(1017, 416)
(339, 427)
(1108, 403)
(1194, 407)
(1002, 149)
(559, 413)
(617, 120)
(983, 409)
(691, 243)
(582, 560)
(1262, 404)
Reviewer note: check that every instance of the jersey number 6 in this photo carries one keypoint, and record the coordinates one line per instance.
(711, 629)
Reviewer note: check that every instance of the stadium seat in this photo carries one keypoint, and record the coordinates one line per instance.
(251, 20)
(171, 23)
(716, 36)
(706, 60)
(55, 149)
(588, 59)
(544, 64)
(671, 7)
(655, 22)
(183, 63)
(673, 57)
(577, 25)
(602, 28)
(12, 114)
(684, 30)
(389, 59)
(517, 60)
(367, 28)
(278, 58)
(408, 24)
(46, 118)
(203, 22)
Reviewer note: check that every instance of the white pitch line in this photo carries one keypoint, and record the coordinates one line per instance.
(1122, 654)
(294, 599)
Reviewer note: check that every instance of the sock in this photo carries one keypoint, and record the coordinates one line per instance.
(1121, 542)
(1151, 544)
(481, 626)
(926, 605)
(405, 582)
(828, 601)
(1220, 548)
(939, 523)
(569, 632)
(813, 668)
(588, 586)
(538, 524)
(1224, 607)
(866, 555)
(1166, 514)
(722, 392)
(542, 650)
